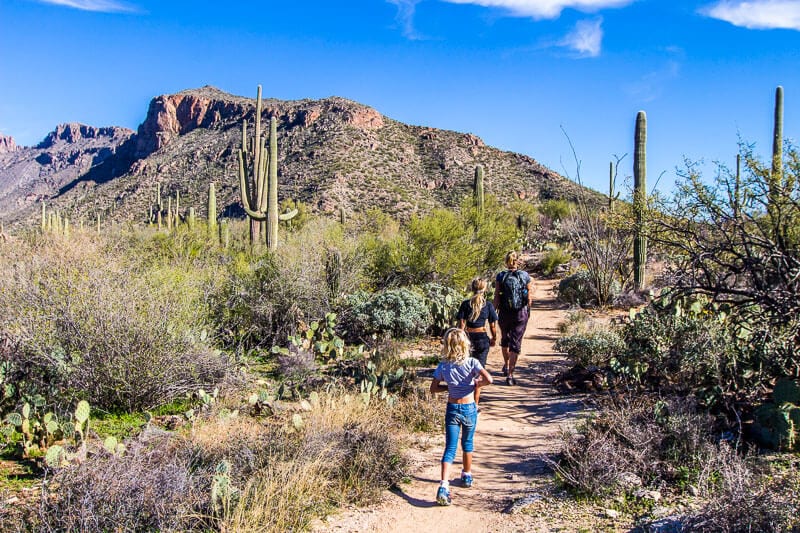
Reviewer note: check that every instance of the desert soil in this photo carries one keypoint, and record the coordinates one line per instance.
(516, 427)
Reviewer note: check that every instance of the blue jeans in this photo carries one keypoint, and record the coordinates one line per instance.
(458, 416)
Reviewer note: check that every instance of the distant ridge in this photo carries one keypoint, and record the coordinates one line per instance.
(332, 152)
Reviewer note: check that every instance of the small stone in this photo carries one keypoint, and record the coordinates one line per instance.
(694, 491)
(510, 477)
(611, 513)
(644, 494)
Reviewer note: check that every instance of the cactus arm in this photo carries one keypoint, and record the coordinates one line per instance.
(288, 215)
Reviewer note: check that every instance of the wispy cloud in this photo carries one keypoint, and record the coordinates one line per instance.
(405, 17)
(757, 14)
(544, 9)
(651, 85)
(102, 6)
(586, 38)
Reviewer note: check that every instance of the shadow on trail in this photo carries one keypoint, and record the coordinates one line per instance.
(416, 502)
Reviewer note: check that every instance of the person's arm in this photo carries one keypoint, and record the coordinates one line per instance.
(484, 378)
(530, 292)
(436, 386)
(496, 298)
(462, 323)
(493, 330)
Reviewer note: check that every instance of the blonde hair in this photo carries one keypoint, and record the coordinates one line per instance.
(479, 299)
(511, 259)
(455, 346)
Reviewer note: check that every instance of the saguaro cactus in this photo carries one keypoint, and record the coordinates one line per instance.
(258, 180)
(212, 209)
(640, 201)
(478, 191)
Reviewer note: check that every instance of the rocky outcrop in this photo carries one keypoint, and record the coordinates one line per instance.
(7, 144)
(73, 133)
(177, 114)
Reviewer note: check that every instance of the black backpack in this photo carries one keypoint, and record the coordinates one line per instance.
(513, 291)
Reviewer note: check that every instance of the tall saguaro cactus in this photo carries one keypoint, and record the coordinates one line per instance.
(777, 137)
(258, 180)
(211, 209)
(640, 201)
(478, 191)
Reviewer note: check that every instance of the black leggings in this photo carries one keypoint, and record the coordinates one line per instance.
(480, 346)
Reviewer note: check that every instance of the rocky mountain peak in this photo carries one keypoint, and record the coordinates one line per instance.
(74, 132)
(7, 144)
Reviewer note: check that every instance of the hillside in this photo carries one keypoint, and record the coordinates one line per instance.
(332, 152)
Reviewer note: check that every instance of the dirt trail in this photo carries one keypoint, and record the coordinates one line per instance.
(515, 425)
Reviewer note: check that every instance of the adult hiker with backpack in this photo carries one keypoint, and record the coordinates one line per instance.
(513, 293)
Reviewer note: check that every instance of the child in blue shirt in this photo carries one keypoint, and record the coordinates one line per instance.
(459, 375)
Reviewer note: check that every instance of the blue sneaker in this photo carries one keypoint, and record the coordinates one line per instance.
(443, 496)
(466, 480)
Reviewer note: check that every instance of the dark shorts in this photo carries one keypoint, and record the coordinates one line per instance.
(479, 347)
(512, 328)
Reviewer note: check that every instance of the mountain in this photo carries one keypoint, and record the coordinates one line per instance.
(332, 152)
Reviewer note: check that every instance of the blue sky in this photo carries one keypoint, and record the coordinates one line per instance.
(518, 73)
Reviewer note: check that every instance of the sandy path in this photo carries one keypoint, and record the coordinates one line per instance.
(515, 425)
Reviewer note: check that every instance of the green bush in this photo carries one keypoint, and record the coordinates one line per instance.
(556, 209)
(592, 348)
(577, 288)
(552, 259)
(442, 303)
(396, 312)
(444, 246)
(80, 322)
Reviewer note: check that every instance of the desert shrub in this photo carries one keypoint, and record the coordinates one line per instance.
(396, 312)
(415, 411)
(442, 303)
(750, 498)
(638, 441)
(157, 485)
(444, 246)
(689, 345)
(262, 299)
(592, 348)
(577, 288)
(284, 496)
(552, 259)
(555, 209)
(81, 323)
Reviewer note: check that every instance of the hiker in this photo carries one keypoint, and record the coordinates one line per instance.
(460, 375)
(473, 316)
(513, 293)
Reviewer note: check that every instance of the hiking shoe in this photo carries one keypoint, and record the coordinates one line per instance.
(505, 371)
(511, 381)
(443, 496)
(466, 480)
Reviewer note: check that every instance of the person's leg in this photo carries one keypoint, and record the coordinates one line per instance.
(516, 335)
(452, 428)
(470, 419)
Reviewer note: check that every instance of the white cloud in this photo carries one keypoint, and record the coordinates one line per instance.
(586, 38)
(757, 14)
(103, 6)
(544, 9)
(405, 17)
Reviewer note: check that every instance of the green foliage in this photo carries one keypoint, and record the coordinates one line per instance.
(442, 303)
(553, 258)
(556, 209)
(442, 246)
(592, 348)
(778, 422)
(577, 288)
(397, 312)
(87, 324)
